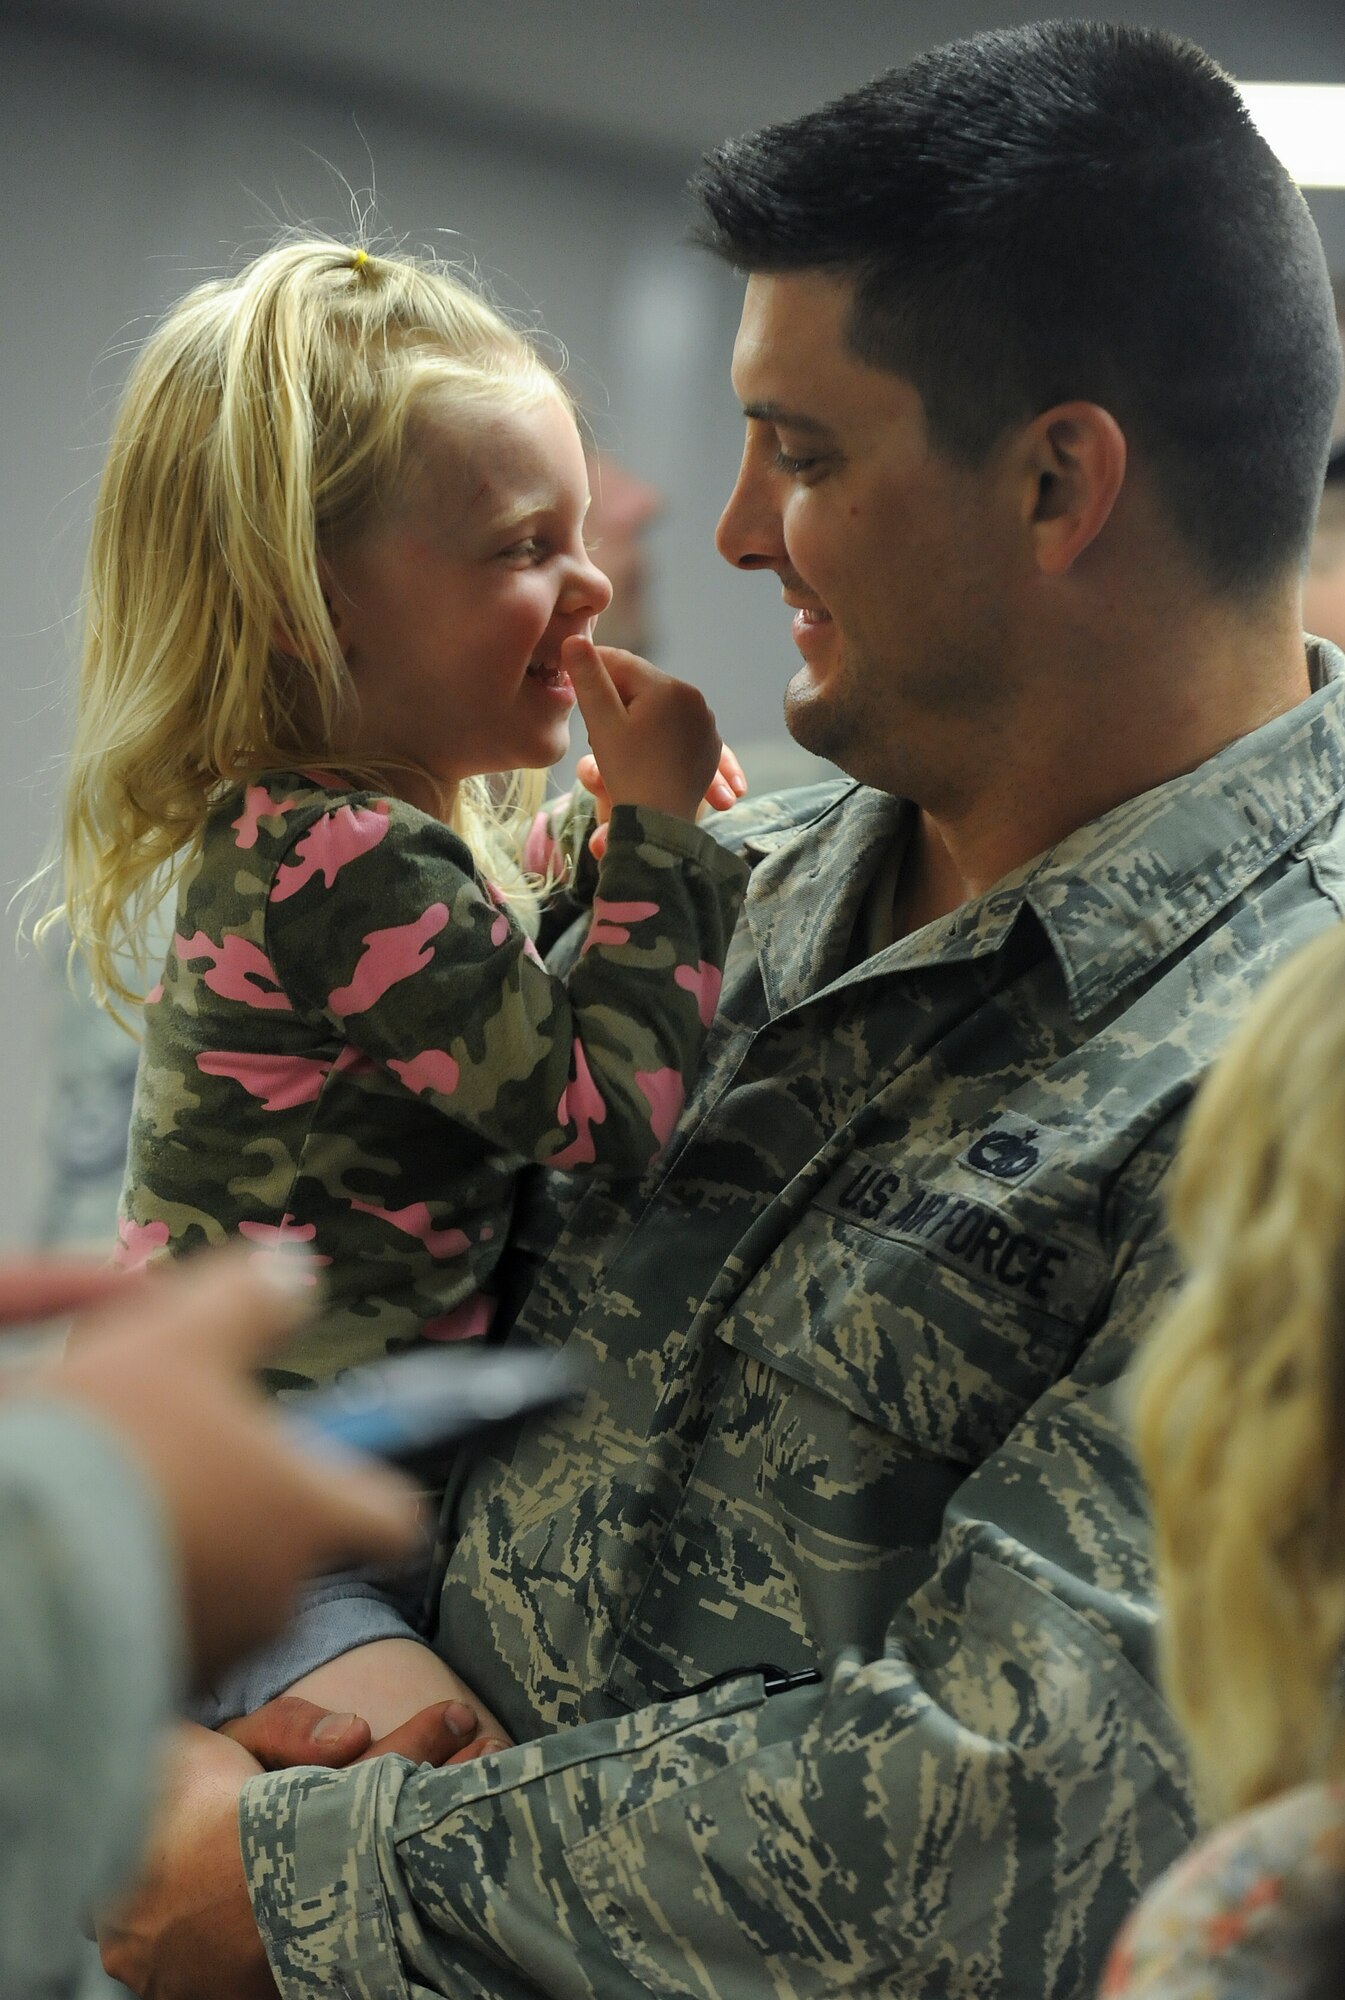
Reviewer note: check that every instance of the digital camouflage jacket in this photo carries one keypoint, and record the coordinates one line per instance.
(355, 1047)
(855, 1347)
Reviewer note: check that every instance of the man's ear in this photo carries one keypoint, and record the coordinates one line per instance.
(1076, 462)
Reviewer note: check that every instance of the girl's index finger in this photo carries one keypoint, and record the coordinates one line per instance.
(599, 702)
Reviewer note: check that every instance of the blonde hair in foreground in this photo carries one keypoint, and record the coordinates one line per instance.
(265, 424)
(1241, 1400)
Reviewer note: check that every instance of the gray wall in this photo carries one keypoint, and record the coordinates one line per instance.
(133, 167)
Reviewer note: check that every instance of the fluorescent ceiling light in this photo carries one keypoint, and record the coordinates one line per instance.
(1304, 124)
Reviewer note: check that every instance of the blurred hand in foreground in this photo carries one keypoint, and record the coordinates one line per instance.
(165, 1362)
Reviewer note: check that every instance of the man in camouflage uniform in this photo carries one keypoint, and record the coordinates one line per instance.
(826, 1627)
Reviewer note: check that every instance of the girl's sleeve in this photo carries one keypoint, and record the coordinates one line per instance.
(377, 921)
(557, 847)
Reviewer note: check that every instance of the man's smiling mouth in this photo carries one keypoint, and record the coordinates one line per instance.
(807, 611)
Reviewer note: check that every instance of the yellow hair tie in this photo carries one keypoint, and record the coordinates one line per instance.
(361, 257)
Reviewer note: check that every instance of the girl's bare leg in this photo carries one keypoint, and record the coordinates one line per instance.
(387, 1682)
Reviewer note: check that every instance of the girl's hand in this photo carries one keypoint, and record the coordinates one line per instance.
(590, 777)
(729, 783)
(726, 787)
(653, 738)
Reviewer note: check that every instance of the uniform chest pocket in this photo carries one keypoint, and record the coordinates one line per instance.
(869, 1373)
(937, 1319)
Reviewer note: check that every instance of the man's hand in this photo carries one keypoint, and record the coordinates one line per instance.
(188, 1932)
(290, 1730)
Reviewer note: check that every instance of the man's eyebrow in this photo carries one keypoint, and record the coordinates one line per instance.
(790, 420)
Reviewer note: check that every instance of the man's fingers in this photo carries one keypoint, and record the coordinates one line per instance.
(290, 1730)
(435, 1736)
(188, 1928)
(37, 1288)
(480, 1746)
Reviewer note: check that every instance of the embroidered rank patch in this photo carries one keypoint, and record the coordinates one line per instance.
(1009, 1149)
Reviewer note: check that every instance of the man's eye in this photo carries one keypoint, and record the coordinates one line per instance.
(794, 467)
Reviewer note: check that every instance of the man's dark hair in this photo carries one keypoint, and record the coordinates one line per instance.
(1071, 210)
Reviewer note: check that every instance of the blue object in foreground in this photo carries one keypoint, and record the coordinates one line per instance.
(405, 1406)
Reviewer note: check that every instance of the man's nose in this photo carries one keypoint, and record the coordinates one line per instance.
(750, 533)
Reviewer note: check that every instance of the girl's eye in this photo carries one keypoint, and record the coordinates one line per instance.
(532, 550)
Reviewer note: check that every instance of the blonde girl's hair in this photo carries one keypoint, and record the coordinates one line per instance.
(1240, 1401)
(265, 423)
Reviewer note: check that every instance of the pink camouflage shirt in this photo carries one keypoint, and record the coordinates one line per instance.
(356, 1047)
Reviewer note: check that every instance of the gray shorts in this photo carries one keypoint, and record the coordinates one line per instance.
(334, 1615)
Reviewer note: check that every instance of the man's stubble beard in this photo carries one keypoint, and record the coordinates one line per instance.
(823, 721)
(869, 721)
(848, 721)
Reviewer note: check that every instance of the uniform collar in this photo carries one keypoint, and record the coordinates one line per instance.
(1121, 895)
(1115, 898)
(808, 881)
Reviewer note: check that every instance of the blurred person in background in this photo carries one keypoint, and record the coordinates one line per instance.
(623, 509)
(1240, 1416)
(86, 1117)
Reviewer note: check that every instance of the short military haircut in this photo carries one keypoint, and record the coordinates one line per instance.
(1070, 210)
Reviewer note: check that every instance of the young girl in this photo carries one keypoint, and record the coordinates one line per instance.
(337, 578)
